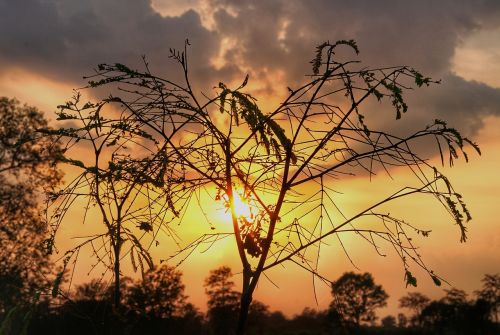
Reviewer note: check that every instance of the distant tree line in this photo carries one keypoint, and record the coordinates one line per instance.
(454, 313)
(157, 304)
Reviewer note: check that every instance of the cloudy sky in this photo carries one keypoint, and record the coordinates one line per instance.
(46, 46)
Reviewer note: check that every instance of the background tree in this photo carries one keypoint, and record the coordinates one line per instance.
(90, 311)
(96, 289)
(402, 320)
(312, 321)
(416, 302)
(388, 321)
(223, 304)
(159, 304)
(160, 294)
(224, 145)
(455, 314)
(356, 297)
(26, 170)
(455, 297)
(490, 292)
(223, 300)
(152, 305)
(259, 318)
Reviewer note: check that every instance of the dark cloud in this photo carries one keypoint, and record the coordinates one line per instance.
(424, 34)
(464, 104)
(65, 39)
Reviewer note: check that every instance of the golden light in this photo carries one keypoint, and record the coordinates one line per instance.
(242, 207)
(241, 204)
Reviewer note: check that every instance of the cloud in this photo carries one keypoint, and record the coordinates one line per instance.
(463, 103)
(424, 34)
(388, 32)
(65, 40)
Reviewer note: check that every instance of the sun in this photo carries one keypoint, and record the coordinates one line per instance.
(241, 206)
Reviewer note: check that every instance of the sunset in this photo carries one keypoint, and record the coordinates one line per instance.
(157, 153)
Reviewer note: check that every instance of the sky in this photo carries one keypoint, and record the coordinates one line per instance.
(47, 46)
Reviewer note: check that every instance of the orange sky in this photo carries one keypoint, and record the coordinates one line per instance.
(462, 264)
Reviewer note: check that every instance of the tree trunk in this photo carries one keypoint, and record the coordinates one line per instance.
(116, 291)
(245, 301)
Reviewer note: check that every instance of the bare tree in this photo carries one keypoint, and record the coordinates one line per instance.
(279, 164)
(124, 191)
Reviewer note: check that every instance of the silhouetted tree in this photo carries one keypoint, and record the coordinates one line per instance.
(223, 301)
(454, 314)
(160, 303)
(356, 297)
(227, 146)
(90, 311)
(87, 310)
(490, 292)
(335, 322)
(160, 294)
(192, 321)
(437, 315)
(115, 185)
(258, 318)
(96, 289)
(402, 320)
(310, 321)
(388, 321)
(152, 305)
(416, 302)
(455, 297)
(446, 313)
(273, 323)
(26, 170)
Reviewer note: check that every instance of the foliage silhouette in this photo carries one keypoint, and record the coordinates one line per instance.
(490, 293)
(96, 289)
(90, 311)
(416, 302)
(155, 304)
(441, 317)
(156, 144)
(402, 320)
(452, 314)
(223, 301)
(26, 169)
(356, 297)
(160, 294)
(119, 193)
(389, 321)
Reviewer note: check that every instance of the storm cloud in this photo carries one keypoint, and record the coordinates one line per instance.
(423, 34)
(65, 40)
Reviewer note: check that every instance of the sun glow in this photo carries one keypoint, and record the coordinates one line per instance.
(241, 206)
